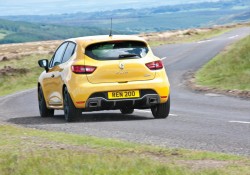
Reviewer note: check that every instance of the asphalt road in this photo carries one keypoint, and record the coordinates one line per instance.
(197, 120)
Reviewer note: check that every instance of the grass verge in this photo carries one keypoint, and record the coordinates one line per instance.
(30, 151)
(229, 70)
(20, 73)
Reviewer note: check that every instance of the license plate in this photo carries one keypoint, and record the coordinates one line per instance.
(124, 94)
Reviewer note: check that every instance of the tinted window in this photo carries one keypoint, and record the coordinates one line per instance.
(58, 55)
(69, 52)
(117, 50)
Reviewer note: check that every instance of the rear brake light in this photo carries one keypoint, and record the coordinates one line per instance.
(155, 65)
(79, 69)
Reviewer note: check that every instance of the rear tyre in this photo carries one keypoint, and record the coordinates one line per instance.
(127, 110)
(71, 113)
(44, 111)
(161, 110)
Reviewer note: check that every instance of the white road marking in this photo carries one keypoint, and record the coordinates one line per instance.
(163, 58)
(138, 110)
(199, 42)
(213, 95)
(242, 122)
(232, 37)
(173, 115)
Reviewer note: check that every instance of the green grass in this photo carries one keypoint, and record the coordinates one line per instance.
(2, 35)
(16, 80)
(228, 70)
(30, 151)
(190, 38)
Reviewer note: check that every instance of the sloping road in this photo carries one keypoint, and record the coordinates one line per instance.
(197, 121)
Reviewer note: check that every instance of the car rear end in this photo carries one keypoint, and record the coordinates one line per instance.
(118, 72)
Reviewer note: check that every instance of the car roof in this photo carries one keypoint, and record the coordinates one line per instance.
(87, 40)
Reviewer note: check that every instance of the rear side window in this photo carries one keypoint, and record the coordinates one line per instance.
(115, 50)
(56, 60)
(69, 52)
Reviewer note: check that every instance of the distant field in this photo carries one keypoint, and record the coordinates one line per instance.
(2, 35)
(229, 70)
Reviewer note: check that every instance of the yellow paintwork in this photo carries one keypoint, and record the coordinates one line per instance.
(132, 71)
(81, 86)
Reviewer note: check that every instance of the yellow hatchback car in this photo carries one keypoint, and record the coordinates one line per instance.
(103, 73)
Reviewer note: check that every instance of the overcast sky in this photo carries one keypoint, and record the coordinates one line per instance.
(45, 7)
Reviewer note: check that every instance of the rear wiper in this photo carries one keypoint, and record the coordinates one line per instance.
(128, 55)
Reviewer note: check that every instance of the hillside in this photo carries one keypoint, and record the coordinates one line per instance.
(151, 19)
(18, 32)
(125, 21)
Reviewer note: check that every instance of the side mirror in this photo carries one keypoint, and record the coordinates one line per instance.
(44, 63)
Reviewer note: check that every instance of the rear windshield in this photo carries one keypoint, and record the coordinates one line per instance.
(114, 50)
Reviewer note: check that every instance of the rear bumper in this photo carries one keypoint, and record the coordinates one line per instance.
(82, 93)
(100, 103)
